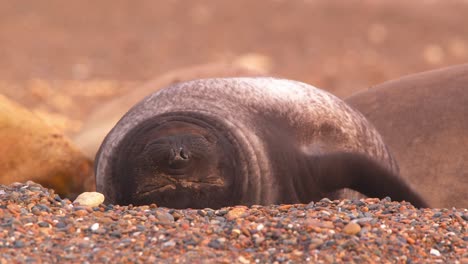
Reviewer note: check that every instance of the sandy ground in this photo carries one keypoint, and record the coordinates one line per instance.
(38, 226)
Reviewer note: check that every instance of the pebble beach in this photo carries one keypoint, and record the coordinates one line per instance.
(38, 226)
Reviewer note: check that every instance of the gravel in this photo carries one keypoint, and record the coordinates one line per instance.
(36, 225)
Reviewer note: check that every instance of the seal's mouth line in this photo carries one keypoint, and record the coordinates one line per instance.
(180, 183)
(208, 180)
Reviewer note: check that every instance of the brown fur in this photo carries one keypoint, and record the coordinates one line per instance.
(424, 120)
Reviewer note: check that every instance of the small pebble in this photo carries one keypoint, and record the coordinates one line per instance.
(94, 227)
(19, 244)
(260, 227)
(352, 228)
(435, 252)
(465, 217)
(169, 244)
(221, 212)
(164, 217)
(243, 260)
(235, 213)
(215, 243)
(43, 224)
(90, 199)
(201, 212)
(364, 220)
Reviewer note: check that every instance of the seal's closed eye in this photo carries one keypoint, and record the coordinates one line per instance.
(174, 154)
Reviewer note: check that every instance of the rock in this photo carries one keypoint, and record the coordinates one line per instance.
(33, 150)
(326, 200)
(90, 199)
(435, 252)
(243, 260)
(352, 228)
(94, 227)
(216, 243)
(164, 217)
(101, 121)
(465, 217)
(169, 243)
(235, 213)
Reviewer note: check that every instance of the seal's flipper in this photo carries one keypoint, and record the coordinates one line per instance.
(350, 170)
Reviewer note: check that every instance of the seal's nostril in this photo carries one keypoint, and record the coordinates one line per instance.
(183, 154)
(180, 160)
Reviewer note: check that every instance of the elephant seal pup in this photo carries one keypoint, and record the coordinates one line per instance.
(423, 118)
(221, 142)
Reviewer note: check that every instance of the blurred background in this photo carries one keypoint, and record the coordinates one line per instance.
(79, 65)
(64, 58)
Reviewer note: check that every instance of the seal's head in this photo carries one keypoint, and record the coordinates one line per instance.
(178, 164)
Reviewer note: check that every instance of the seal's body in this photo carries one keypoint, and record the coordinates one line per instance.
(220, 142)
(424, 120)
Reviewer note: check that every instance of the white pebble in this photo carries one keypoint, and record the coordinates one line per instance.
(243, 260)
(325, 212)
(90, 199)
(260, 227)
(95, 227)
(435, 252)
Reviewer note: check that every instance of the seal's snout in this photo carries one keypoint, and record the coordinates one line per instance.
(179, 158)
